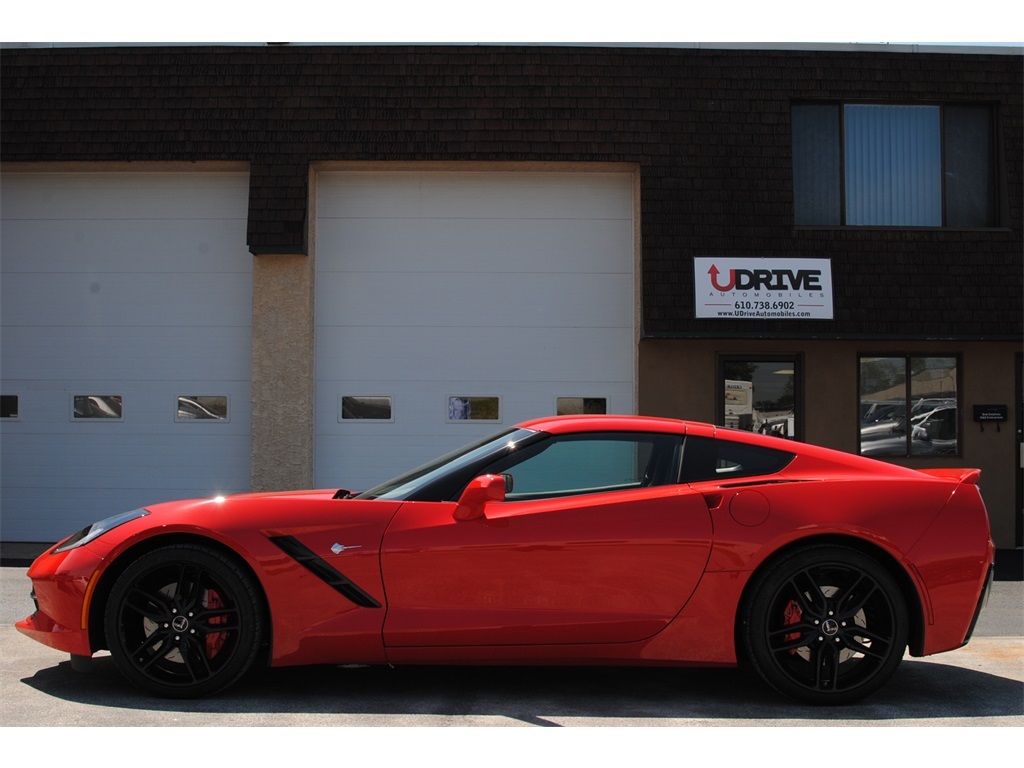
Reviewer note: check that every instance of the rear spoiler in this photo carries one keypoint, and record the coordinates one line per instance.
(968, 476)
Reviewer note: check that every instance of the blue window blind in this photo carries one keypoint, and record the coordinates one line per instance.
(893, 165)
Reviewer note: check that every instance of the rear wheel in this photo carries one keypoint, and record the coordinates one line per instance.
(184, 621)
(826, 625)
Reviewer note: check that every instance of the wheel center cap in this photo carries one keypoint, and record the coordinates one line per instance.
(179, 623)
(830, 627)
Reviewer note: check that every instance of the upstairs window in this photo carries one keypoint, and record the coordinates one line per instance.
(894, 165)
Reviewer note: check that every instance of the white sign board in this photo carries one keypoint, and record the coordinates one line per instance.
(763, 289)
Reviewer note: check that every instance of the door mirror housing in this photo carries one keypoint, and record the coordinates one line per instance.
(480, 491)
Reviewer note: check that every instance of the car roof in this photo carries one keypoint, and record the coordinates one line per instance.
(809, 457)
(613, 423)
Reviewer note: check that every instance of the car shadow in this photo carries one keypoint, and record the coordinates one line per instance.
(543, 695)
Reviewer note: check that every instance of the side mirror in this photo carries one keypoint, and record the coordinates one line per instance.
(478, 493)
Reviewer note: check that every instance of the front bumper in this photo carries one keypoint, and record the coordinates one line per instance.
(61, 586)
(46, 630)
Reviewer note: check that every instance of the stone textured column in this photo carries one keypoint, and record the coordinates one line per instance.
(283, 372)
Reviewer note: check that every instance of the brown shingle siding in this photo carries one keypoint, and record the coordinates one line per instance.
(709, 129)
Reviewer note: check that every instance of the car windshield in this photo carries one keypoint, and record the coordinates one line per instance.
(468, 458)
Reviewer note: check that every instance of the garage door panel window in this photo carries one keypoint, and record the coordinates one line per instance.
(9, 407)
(571, 406)
(473, 408)
(366, 408)
(97, 407)
(195, 408)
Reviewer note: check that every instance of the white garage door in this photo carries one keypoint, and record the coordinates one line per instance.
(452, 304)
(126, 316)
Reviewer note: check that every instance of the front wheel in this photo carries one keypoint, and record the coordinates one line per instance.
(184, 621)
(826, 625)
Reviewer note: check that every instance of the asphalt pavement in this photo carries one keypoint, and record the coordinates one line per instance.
(979, 685)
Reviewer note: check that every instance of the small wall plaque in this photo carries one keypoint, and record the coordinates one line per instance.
(985, 413)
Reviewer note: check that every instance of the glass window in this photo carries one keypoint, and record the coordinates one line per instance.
(444, 478)
(705, 458)
(908, 406)
(366, 408)
(592, 463)
(760, 395)
(569, 406)
(470, 408)
(968, 150)
(817, 168)
(8, 406)
(86, 407)
(893, 165)
(202, 408)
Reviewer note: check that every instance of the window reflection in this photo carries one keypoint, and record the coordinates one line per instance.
(97, 407)
(908, 406)
(467, 408)
(366, 408)
(593, 463)
(198, 407)
(570, 406)
(760, 396)
(895, 165)
(8, 406)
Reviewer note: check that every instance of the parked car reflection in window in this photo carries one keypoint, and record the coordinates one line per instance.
(97, 407)
(203, 407)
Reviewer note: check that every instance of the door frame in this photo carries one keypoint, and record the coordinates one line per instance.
(1018, 539)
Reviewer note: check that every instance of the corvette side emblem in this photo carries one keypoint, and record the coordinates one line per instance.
(339, 548)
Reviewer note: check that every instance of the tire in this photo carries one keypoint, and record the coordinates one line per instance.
(826, 625)
(184, 621)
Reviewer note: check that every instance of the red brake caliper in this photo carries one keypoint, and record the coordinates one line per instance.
(793, 615)
(215, 640)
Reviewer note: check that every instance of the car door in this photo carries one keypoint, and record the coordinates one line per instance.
(596, 542)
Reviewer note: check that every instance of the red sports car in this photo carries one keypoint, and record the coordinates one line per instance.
(610, 540)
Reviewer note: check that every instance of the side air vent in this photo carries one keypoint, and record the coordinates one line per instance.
(324, 571)
(752, 483)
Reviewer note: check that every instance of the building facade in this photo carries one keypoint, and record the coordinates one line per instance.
(256, 267)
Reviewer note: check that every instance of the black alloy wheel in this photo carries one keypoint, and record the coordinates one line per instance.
(826, 625)
(184, 621)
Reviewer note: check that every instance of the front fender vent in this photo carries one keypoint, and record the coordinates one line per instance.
(324, 571)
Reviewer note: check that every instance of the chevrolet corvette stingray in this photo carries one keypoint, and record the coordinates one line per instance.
(588, 540)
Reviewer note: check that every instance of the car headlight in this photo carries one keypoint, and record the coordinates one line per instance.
(96, 530)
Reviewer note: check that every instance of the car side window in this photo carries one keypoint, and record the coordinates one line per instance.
(592, 463)
(706, 458)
